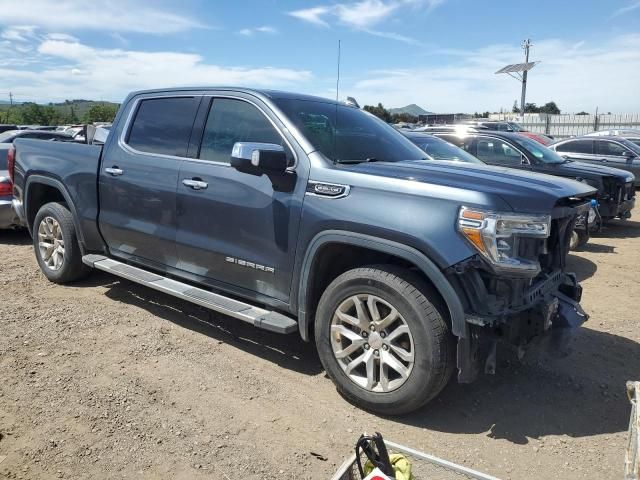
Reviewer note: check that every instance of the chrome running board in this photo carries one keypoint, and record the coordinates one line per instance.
(266, 319)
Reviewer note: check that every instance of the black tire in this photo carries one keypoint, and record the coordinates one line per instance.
(71, 267)
(579, 238)
(421, 310)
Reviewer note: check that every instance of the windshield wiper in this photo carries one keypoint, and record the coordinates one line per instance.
(366, 160)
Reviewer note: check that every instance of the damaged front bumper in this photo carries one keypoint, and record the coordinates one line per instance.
(547, 313)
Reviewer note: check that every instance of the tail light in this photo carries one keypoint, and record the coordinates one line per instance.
(6, 187)
(11, 161)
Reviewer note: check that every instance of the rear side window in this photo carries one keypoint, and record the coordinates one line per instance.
(576, 146)
(232, 121)
(163, 125)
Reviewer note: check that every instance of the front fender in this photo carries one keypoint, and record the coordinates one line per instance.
(410, 254)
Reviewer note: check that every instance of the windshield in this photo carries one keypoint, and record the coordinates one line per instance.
(442, 150)
(539, 151)
(7, 137)
(351, 136)
(631, 145)
(516, 127)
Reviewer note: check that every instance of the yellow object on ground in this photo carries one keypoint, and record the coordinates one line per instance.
(400, 464)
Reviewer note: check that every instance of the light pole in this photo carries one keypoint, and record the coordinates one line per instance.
(519, 72)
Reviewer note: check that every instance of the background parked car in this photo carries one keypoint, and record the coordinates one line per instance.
(5, 127)
(616, 192)
(440, 149)
(8, 219)
(511, 127)
(10, 135)
(436, 148)
(629, 134)
(613, 151)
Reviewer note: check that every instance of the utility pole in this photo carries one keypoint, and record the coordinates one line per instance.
(525, 45)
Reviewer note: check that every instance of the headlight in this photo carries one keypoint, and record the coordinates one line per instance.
(495, 235)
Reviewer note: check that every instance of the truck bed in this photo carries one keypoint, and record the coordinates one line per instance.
(71, 166)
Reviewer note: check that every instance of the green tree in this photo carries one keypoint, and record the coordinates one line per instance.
(582, 113)
(101, 113)
(551, 108)
(403, 117)
(379, 111)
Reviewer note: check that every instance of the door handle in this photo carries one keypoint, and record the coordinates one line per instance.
(604, 160)
(195, 184)
(114, 171)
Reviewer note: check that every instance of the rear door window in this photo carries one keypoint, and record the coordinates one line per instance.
(163, 125)
(576, 146)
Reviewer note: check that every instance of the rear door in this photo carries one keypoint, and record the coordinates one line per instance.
(578, 150)
(139, 177)
(238, 231)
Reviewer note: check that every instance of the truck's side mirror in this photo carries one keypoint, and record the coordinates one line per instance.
(251, 157)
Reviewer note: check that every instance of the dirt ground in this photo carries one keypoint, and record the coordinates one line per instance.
(107, 379)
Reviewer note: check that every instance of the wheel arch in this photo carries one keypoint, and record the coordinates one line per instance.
(40, 190)
(404, 253)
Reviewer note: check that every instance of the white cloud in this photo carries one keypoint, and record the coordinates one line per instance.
(577, 76)
(112, 15)
(19, 33)
(312, 15)
(363, 15)
(626, 9)
(249, 32)
(90, 72)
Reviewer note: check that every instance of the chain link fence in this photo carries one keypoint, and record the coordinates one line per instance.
(564, 126)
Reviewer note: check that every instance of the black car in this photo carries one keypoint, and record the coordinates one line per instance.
(612, 151)
(439, 149)
(616, 192)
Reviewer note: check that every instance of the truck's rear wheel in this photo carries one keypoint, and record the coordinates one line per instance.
(56, 244)
(383, 340)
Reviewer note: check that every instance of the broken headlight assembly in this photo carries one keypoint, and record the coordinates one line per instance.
(496, 236)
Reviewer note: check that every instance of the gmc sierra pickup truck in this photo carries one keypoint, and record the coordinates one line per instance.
(300, 214)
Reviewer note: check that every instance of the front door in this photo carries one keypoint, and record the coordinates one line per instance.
(236, 230)
(614, 154)
(495, 151)
(138, 180)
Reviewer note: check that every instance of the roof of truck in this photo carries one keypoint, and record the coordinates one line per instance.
(272, 94)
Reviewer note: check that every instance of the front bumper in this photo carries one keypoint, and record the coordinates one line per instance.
(546, 312)
(622, 209)
(8, 217)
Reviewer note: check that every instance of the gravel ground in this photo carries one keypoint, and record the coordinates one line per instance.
(107, 379)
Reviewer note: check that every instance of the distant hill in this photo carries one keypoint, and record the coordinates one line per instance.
(412, 109)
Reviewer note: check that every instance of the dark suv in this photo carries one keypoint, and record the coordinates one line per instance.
(616, 193)
(612, 151)
(301, 214)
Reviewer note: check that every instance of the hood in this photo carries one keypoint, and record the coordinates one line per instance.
(523, 191)
(586, 170)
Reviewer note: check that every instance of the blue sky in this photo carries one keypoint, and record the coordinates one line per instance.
(440, 54)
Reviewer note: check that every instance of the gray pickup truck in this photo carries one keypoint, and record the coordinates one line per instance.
(300, 214)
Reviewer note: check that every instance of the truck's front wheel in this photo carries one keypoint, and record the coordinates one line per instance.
(56, 244)
(383, 340)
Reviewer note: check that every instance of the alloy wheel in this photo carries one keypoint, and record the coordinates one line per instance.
(372, 343)
(51, 243)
